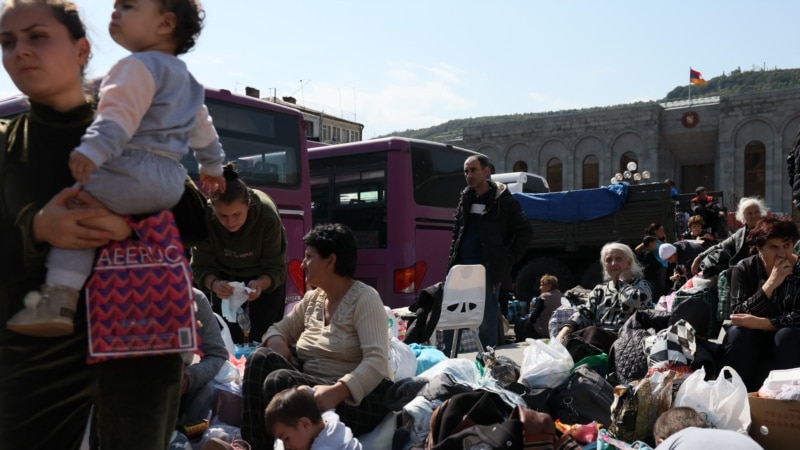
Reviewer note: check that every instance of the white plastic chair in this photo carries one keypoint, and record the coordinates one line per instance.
(463, 300)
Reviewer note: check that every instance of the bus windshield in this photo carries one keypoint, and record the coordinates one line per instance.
(263, 144)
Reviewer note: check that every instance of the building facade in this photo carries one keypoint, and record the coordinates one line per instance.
(320, 126)
(736, 144)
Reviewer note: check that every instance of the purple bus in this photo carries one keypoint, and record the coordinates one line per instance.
(398, 196)
(267, 143)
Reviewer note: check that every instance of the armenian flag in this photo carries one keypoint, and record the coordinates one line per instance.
(696, 77)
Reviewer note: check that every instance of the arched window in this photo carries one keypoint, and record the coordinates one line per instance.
(755, 163)
(591, 172)
(554, 174)
(625, 159)
(520, 166)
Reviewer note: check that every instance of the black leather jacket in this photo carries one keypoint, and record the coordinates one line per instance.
(505, 232)
(793, 167)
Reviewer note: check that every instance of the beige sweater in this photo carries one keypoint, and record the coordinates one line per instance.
(353, 348)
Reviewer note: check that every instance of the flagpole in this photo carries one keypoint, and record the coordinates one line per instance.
(690, 85)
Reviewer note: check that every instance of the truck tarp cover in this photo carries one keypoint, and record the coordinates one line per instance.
(574, 206)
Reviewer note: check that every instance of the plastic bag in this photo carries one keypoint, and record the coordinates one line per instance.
(392, 322)
(402, 360)
(545, 365)
(226, 335)
(722, 403)
(239, 298)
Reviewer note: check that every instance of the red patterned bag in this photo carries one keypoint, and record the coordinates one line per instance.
(139, 295)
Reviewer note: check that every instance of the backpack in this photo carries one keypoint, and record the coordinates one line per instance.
(425, 314)
(586, 396)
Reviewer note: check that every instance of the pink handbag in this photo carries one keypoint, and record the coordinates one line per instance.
(139, 295)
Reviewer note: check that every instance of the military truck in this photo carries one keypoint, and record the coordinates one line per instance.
(570, 228)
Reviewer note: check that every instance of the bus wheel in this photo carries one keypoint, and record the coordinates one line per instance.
(527, 285)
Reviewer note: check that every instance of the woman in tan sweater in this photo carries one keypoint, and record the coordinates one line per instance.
(335, 340)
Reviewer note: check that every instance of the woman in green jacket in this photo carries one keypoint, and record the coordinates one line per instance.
(247, 243)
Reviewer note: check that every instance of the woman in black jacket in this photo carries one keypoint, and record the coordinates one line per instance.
(765, 293)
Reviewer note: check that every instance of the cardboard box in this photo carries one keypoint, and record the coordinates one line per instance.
(775, 423)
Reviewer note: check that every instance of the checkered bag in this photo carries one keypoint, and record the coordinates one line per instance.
(560, 318)
(672, 348)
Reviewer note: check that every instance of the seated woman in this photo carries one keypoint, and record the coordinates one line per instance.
(765, 296)
(611, 303)
(535, 326)
(749, 211)
(717, 260)
(696, 232)
(335, 340)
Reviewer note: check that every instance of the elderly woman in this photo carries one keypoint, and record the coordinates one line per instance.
(765, 294)
(335, 340)
(719, 258)
(749, 211)
(611, 302)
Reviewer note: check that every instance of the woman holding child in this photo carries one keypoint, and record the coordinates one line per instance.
(335, 340)
(46, 388)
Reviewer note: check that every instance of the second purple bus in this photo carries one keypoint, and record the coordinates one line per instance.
(398, 196)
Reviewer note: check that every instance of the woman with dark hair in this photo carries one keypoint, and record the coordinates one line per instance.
(46, 388)
(335, 340)
(765, 293)
(246, 243)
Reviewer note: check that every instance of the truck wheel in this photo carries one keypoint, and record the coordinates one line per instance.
(527, 285)
(592, 275)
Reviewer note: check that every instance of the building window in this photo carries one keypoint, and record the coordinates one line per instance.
(337, 134)
(353, 136)
(326, 133)
(625, 159)
(755, 163)
(554, 174)
(309, 129)
(591, 172)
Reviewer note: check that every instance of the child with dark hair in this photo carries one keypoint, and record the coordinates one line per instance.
(683, 428)
(150, 113)
(293, 417)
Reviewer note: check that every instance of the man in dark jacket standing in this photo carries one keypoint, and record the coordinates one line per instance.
(490, 229)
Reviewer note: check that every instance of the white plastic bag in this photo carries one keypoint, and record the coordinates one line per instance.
(402, 359)
(545, 365)
(226, 335)
(239, 298)
(722, 403)
(392, 322)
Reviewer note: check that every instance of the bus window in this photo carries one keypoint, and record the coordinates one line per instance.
(356, 187)
(438, 175)
(263, 144)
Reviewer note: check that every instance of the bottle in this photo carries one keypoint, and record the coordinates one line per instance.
(243, 319)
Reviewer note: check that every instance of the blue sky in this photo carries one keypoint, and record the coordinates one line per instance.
(395, 65)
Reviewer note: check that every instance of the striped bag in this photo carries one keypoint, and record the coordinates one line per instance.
(139, 296)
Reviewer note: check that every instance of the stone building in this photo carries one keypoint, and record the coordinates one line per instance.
(736, 144)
